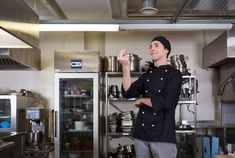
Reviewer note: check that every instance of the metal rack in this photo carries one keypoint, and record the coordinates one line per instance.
(190, 80)
(189, 130)
(191, 83)
(111, 102)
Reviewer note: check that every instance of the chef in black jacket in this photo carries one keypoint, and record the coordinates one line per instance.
(158, 91)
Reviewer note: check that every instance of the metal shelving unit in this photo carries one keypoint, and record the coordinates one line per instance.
(189, 80)
(190, 99)
(111, 102)
(189, 131)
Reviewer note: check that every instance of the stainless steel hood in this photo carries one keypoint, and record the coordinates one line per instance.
(19, 20)
(20, 59)
(220, 51)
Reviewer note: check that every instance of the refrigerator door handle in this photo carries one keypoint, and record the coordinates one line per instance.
(55, 123)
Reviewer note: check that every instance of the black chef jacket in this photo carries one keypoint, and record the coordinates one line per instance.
(162, 85)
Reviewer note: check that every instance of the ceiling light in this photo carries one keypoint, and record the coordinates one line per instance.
(174, 27)
(7, 40)
(148, 8)
(79, 27)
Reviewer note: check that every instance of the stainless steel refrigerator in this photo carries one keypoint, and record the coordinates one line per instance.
(76, 99)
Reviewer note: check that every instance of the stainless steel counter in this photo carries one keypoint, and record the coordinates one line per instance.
(6, 149)
(12, 144)
(4, 135)
(6, 145)
(32, 152)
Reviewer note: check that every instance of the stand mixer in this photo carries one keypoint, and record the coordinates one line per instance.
(38, 135)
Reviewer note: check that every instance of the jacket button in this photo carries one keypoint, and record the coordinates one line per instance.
(142, 112)
(150, 71)
(146, 91)
(159, 90)
(152, 125)
(147, 80)
(143, 124)
(165, 70)
(161, 78)
(154, 113)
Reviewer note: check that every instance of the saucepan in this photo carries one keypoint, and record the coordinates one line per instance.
(126, 115)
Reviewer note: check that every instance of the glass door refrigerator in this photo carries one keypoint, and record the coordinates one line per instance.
(76, 99)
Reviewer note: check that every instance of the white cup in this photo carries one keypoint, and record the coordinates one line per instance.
(79, 125)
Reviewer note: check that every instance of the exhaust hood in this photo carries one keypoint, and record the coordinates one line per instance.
(19, 59)
(220, 51)
(22, 23)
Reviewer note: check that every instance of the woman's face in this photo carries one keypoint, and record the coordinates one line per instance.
(157, 50)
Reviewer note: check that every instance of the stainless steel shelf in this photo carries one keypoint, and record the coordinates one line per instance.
(119, 134)
(119, 74)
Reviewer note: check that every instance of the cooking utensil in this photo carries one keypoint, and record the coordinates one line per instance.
(130, 148)
(126, 122)
(34, 138)
(127, 115)
(179, 63)
(111, 64)
(134, 62)
(114, 91)
(113, 128)
(126, 128)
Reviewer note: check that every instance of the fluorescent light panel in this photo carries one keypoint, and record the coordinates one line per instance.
(7, 40)
(175, 27)
(79, 27)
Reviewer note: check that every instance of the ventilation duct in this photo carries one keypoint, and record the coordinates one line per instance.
(220, 51)
(148, 8)
(19, 20)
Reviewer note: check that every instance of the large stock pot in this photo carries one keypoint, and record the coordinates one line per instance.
(111, 64)
(134, 62)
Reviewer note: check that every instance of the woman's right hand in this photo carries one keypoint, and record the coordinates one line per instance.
(123, 58)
